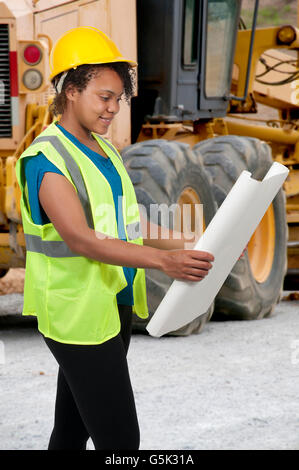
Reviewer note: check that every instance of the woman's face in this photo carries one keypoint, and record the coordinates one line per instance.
(95, 107)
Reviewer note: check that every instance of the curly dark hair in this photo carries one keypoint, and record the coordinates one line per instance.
(80, 76)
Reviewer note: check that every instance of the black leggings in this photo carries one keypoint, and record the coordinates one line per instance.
(94, 393)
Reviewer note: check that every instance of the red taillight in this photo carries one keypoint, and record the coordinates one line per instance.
(32, 55)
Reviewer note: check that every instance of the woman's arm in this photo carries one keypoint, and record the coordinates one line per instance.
(62, 205)
(165, 239)
(161, 237)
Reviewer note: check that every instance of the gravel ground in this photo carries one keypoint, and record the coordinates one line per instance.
(233, 386)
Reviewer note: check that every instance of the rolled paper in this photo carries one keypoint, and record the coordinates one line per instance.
(225, 238)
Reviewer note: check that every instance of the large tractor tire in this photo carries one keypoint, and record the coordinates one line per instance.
(255, 284)
(167, 172)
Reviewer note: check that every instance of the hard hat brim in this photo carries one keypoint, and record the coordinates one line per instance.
(108, 61)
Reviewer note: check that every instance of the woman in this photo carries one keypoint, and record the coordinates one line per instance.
(84, 268)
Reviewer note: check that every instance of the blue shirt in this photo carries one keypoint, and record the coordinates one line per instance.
(37, 166)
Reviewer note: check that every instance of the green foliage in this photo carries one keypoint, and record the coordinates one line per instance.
(271, 16)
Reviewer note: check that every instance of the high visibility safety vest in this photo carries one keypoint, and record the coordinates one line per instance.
(74, 297)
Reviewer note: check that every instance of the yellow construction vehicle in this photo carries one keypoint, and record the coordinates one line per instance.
(192, 127)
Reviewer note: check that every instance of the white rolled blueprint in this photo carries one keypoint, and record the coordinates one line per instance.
(225, 237)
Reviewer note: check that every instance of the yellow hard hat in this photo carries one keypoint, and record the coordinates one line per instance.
(83, 45)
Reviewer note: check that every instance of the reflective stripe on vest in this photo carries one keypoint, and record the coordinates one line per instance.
(74, 171)
(105, 142)
(59, 249)
(55, 248)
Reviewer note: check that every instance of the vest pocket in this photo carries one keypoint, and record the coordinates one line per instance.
(71, 275)
(90, 318)
(113, 279)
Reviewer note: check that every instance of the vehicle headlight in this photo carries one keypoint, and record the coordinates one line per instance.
(286, 35)
(32, 79)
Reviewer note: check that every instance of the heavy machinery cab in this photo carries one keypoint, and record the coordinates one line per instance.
(189, 145)
(185, 55)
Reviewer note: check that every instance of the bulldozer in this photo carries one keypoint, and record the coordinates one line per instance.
(193, 125)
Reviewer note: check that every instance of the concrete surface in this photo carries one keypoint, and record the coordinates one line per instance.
(233, 386)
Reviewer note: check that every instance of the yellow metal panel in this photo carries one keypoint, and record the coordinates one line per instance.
(40, 5)
(291, 184)
(12, 192)
(123, 32)
(55, 22)
(95, 14)
(269, 94)
(282, 136)
(265, 39)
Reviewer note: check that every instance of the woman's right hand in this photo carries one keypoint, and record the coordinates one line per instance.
(187, 265)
